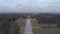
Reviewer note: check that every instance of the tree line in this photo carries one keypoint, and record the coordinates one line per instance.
(48, 19)
(8, 24)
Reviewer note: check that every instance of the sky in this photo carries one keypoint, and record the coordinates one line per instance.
(51, 6)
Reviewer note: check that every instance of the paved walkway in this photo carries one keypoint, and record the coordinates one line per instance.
(28, 28)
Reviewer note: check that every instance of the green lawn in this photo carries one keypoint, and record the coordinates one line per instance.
(23, 23)
(36, 31)
(22, 26)
(34, 24)
(52, 30)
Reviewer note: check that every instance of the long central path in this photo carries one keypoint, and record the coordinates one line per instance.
(28, 27)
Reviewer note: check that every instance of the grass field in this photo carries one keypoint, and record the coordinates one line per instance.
(52, 30)
(36, 29)
(23, 23)
(22, 26)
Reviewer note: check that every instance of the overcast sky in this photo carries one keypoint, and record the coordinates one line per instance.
(30, 6)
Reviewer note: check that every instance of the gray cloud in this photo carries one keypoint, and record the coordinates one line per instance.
(30, 6)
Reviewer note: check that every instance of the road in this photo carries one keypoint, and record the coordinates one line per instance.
(28, 27)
